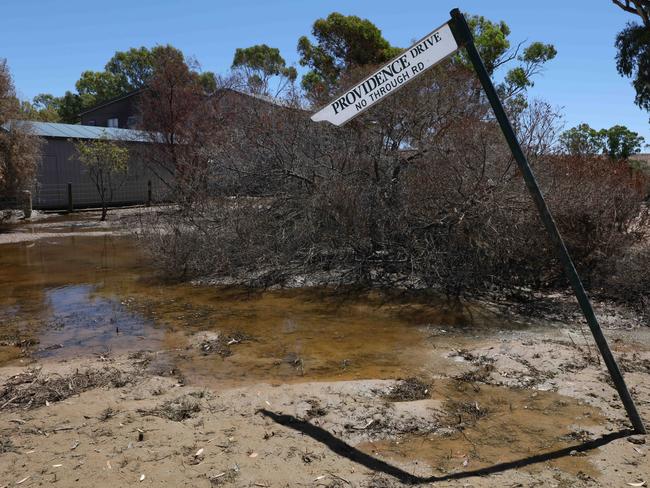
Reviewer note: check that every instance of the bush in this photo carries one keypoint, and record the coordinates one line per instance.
(419, 192)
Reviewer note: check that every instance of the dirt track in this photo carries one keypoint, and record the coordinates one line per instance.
(341, 433)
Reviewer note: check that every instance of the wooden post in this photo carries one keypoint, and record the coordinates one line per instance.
(27, 204)
(70, 206)
(149, 193)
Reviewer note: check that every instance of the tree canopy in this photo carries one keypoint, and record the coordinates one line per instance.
(618, 142)
(261, 63)
(124, 72)
(633, 45)
(493, 44)
(106, 162)
(342, 43)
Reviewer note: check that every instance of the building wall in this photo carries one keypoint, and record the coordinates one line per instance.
(120, 109)
(60, 166)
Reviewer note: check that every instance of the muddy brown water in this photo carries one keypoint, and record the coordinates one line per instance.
(84, 294)
(96, 295)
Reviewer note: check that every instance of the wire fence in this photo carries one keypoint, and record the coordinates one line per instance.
(9, 203)
(55, 196)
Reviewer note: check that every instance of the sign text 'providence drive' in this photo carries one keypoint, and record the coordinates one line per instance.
(422, 55)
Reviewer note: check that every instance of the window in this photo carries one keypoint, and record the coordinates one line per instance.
(91, 122)
(112, 123)
(131, 122)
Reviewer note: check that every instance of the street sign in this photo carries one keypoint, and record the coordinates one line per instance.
(425, 53)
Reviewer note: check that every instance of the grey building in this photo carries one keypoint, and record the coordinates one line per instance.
(120, 112)
(60, 166)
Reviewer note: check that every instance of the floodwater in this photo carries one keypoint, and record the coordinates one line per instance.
(86, 294)
(80, 293)
(502, 425)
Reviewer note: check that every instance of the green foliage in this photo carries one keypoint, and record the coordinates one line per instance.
(259, 64)
(491, 39)
(125, 72)
(103, 155)
(345, 42)
(342, 42)
(101, 85)
(617, 142)
(43, 107)
(106, 162)
(582, 140)
(621, 143)
(633, 60)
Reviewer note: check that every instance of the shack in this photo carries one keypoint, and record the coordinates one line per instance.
(60, 167)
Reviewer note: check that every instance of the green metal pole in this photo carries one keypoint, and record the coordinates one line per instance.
(464, 37)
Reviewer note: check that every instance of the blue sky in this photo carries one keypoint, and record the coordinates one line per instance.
(49, 43)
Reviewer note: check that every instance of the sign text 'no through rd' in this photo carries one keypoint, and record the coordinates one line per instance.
(421, 56)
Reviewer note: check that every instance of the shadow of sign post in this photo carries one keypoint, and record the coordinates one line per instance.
(425, 53)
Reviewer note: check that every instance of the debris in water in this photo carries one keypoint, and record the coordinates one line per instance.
(409, 390)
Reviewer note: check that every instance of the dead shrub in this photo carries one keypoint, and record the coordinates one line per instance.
(32, 389)
(177, 409)
(408, 390)
(418, 192)
(461, 412)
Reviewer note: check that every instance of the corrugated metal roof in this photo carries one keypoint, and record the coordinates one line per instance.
(73, 131)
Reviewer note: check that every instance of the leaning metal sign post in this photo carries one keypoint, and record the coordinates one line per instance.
(424, 54)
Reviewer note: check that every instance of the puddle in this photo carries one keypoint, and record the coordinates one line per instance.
(498, 425)
(86, 295)
(93, 295)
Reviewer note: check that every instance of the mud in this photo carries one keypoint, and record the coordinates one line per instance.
(111, 377)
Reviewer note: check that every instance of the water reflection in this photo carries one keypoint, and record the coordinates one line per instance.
(90, 294)
(82, 322)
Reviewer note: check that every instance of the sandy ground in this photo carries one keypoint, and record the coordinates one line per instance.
(482, 422)
(522, 408)
(52, 225)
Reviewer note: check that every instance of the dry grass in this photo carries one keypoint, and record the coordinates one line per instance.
(32, 389)
(409, 390)
(178, 409)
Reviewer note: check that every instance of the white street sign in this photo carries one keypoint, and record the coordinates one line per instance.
(414, 61)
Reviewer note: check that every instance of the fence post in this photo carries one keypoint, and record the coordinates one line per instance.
(70, 207)
(27, 203)
(149, 193)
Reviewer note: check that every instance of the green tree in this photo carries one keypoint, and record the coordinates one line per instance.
(582, 140)
(124, 72)
(101, 85)
(345, 42)
(43, 107)
(621, 143)
(260, 64)
(342, 43)
(107, 164)
(618, 142)
(633, 45)
(491, 39)
(71, 104)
